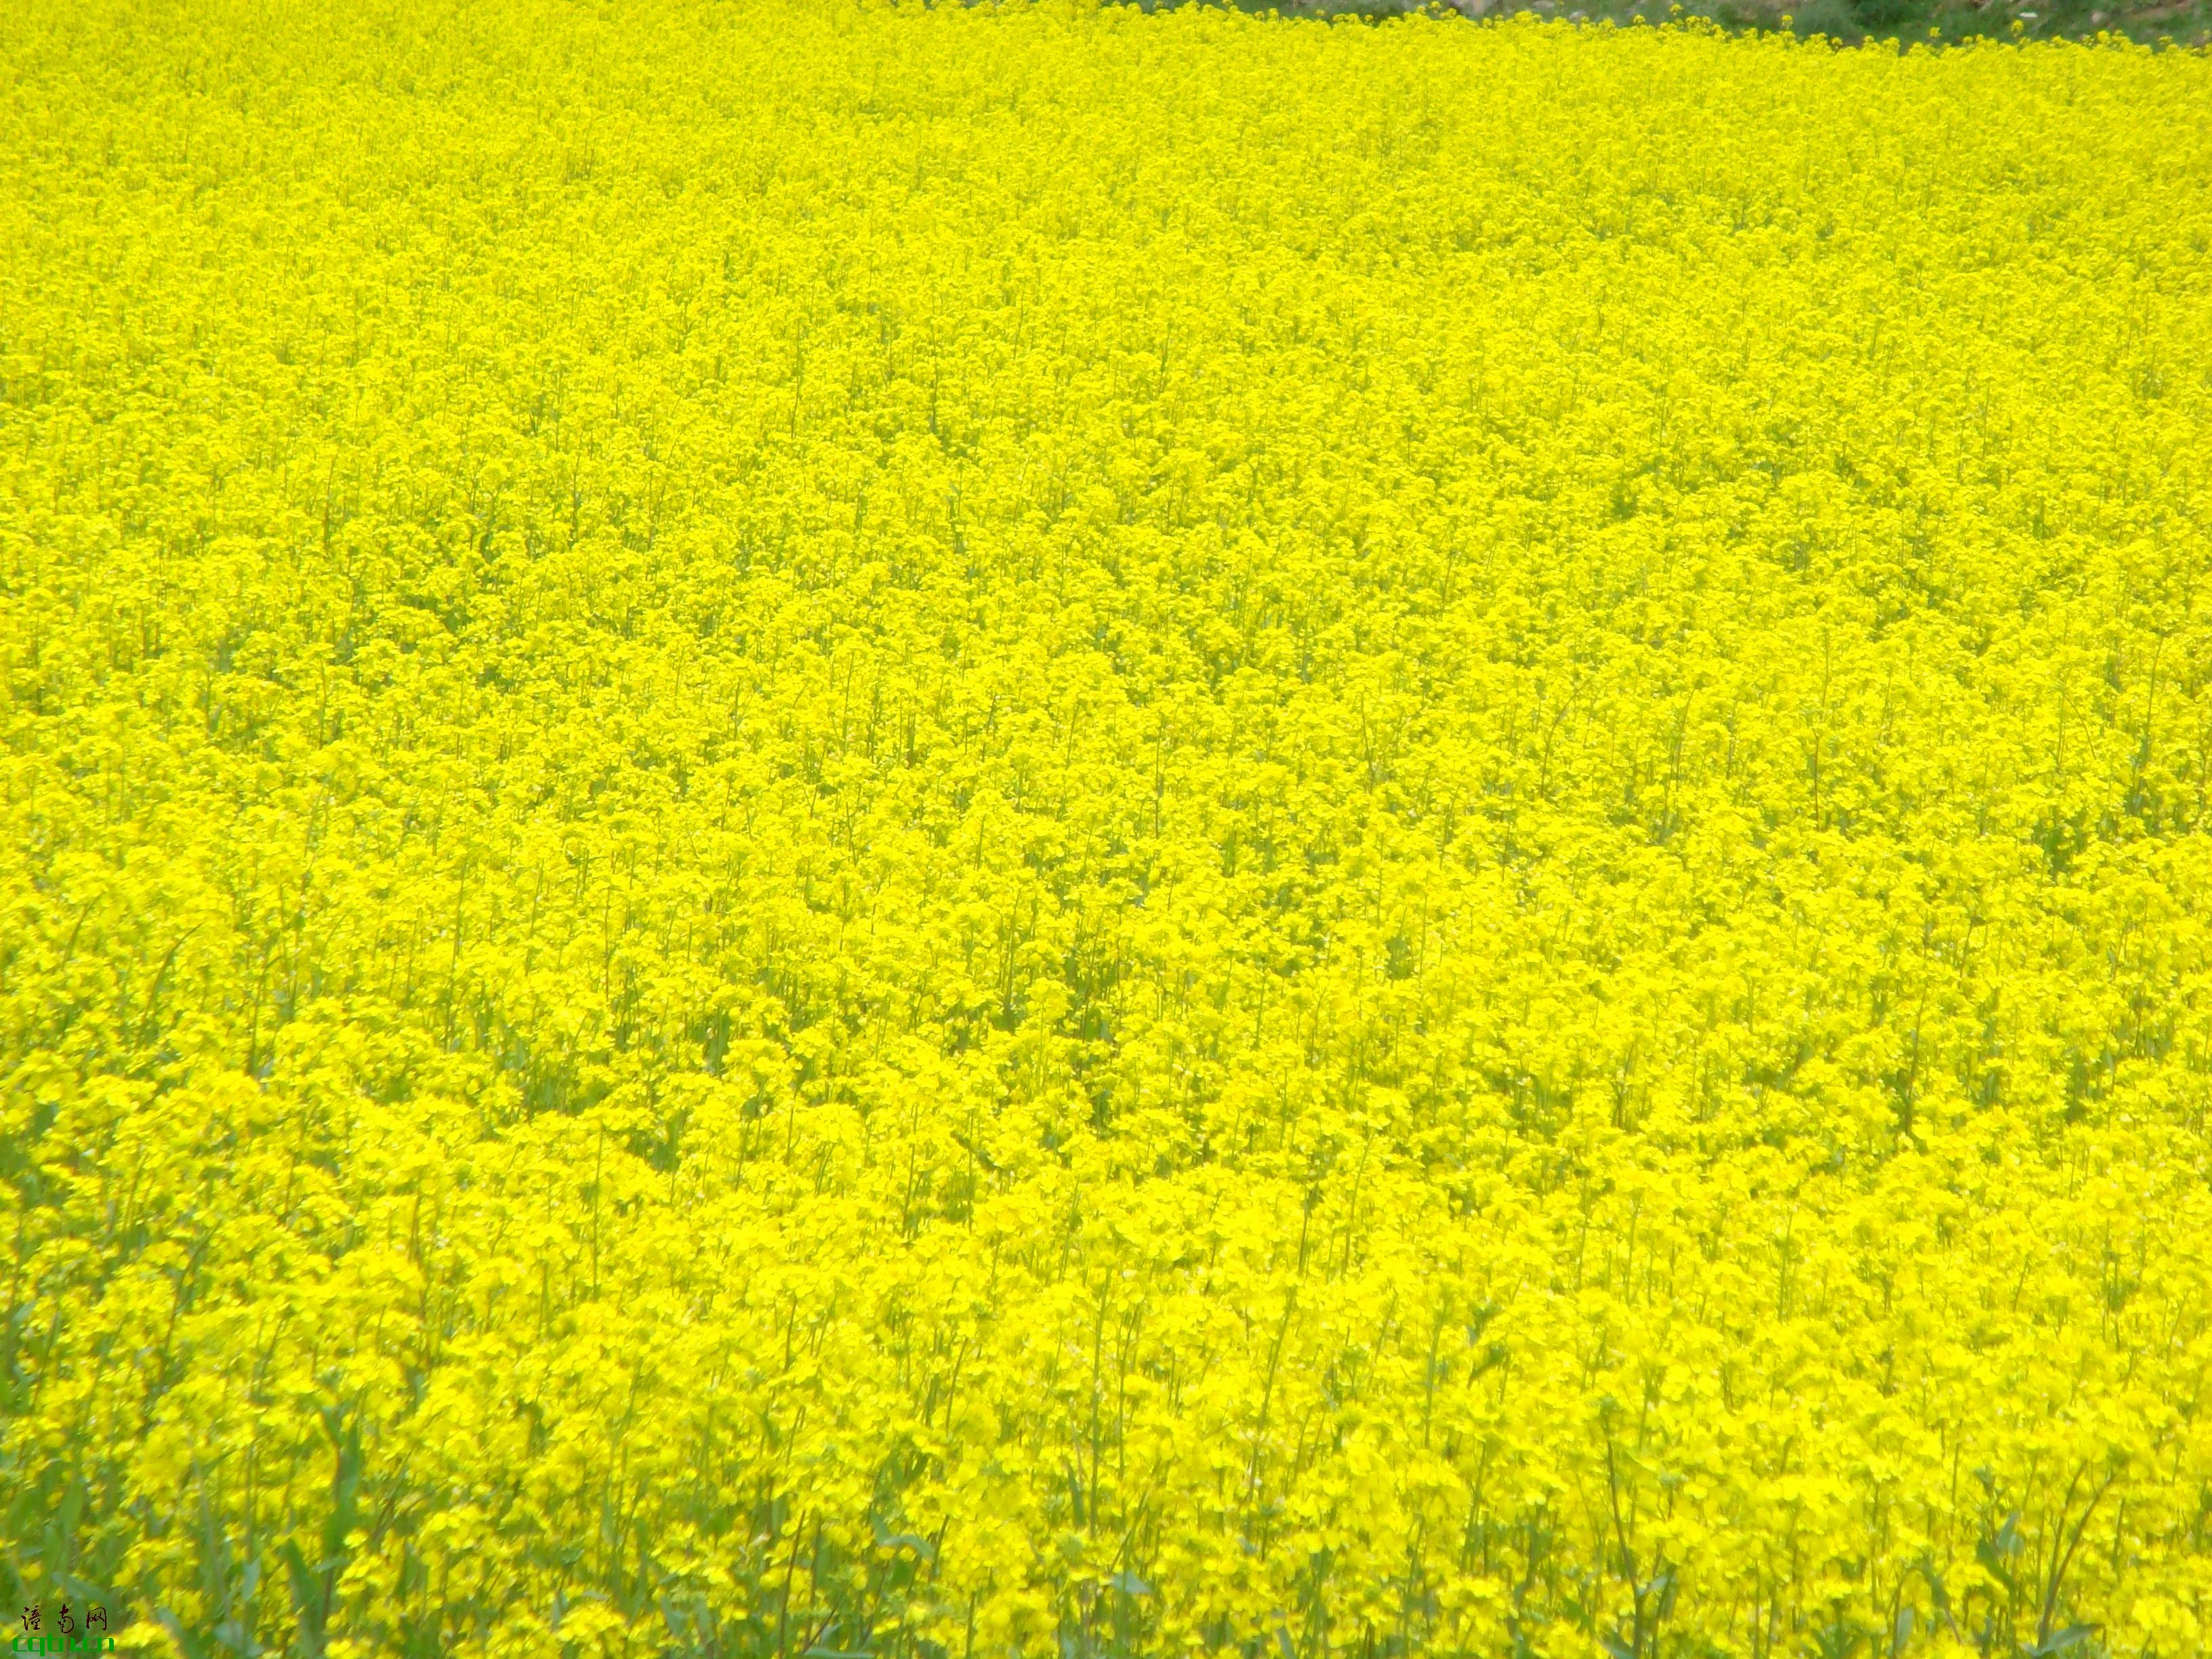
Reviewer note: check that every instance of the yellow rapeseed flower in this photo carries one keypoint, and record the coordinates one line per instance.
(1027, 829)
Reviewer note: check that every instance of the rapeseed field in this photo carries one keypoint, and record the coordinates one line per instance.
(1029, 830)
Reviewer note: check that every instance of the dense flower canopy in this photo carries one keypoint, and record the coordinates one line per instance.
(1036, 830)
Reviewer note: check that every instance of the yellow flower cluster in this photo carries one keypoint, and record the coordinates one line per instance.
(1034, 830)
